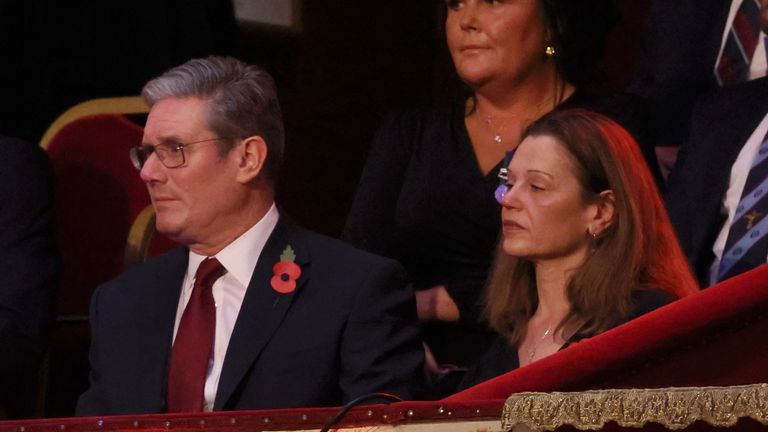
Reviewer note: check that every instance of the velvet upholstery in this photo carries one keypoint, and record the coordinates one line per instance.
(98, 195)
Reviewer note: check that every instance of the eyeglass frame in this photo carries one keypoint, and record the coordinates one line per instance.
(133, 152)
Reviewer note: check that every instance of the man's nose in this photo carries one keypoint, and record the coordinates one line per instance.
(153, 169)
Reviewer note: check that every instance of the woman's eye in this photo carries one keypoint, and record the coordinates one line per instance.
(453, 4)
(537, 187)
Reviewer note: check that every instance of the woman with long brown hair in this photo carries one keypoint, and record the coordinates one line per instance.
(586, 242)
(425, 194)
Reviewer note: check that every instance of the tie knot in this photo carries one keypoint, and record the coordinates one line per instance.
(210, 270)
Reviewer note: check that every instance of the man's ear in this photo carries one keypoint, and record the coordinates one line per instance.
(605, 214)
(252, 157)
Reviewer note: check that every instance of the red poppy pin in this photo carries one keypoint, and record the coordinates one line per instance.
(286, 272)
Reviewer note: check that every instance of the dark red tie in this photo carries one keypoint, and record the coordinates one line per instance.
(194, 342)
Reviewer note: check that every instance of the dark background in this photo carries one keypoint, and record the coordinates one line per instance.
(346, 64)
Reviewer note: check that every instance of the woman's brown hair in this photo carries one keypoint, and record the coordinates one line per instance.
(638, 251)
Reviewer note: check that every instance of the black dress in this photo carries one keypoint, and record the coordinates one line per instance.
(423, 200)
(502, 357)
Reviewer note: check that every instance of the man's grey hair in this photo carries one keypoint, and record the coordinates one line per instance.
(242, 101)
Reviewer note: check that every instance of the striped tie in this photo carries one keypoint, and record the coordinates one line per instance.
(733, 66)
(747, 243)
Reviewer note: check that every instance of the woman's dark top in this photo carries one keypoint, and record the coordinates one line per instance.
(502, 357)
(423, 200)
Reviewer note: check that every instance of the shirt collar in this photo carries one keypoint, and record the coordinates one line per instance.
(240, 256)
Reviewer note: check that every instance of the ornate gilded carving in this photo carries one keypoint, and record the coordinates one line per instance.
(675, 408)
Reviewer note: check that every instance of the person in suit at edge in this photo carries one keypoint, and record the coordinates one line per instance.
(706, 186)
(296, 318)
(686, 44)
(709, 176)
(30, 266)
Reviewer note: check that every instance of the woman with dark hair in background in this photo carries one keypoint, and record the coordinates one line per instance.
(425, 195)
(586, 242)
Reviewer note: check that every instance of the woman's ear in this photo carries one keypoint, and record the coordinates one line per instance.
(253, 155)
(605, 214)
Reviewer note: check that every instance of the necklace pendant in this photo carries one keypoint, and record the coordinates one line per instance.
(497, 138)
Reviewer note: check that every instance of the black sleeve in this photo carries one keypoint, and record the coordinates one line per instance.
(647, 300)
(93, 401)
(467, 294)
(371, 221)
(29, 260)
(500, 358)
(381, 347)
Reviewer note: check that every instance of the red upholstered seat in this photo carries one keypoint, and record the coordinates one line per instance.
(716, 337)
(98, 195)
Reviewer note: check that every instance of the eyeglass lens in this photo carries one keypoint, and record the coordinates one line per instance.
(171, 156)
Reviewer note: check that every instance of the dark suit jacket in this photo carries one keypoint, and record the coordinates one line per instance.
(348, 329)
(721, 125)
(676, 63)
(29, 269)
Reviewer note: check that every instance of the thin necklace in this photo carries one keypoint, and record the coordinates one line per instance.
(498, 138)
(532, 353)
(498, 132)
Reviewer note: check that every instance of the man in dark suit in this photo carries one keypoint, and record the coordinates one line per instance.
(29, 269)
(710, 177)
(251, 312)
(722, 124)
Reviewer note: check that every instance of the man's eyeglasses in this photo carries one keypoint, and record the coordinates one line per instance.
(171, 154)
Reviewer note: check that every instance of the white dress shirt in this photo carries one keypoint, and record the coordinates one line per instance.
(759, 63)
(239, 258)
(739, 173)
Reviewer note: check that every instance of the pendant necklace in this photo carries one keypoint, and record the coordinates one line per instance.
(532, 353)
(497, 133)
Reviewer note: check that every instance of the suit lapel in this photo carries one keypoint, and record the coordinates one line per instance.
(162, 298)
(744, 117)
(261, 313)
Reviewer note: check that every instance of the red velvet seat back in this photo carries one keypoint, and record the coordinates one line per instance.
(98, 195)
